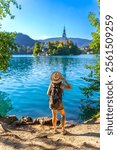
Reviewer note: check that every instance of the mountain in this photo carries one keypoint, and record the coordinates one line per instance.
(77, 41)
(25, 40)
(80, 42)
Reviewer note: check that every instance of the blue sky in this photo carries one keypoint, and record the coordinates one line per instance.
(46, 18)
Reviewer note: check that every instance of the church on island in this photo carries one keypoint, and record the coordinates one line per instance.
(58, 45)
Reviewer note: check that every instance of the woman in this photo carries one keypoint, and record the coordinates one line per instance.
(55, 91)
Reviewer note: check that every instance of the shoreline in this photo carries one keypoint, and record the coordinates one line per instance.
(27, 120)
(84, 136)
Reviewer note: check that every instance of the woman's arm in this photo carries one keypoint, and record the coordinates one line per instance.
(49, 89)
(67, 86)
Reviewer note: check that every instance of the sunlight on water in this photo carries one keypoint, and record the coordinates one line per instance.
(28, 77)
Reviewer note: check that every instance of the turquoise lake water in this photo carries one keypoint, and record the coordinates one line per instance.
(27, 79)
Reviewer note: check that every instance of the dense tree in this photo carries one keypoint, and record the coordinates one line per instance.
(6, 39)
(58, 48)
(37, 48)
(89, 105)
(6, 48)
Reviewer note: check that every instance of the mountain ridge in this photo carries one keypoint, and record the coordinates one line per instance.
(25, 40)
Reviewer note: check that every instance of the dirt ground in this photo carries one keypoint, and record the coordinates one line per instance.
(84, 136)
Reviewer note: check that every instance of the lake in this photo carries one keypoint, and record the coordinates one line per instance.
(27, 79)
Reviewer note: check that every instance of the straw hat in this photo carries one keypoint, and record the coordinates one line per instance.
(56, 77)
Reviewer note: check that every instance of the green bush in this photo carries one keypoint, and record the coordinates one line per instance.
(89, 108)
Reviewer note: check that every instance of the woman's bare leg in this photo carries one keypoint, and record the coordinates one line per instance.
(62, 112)
(54, 118)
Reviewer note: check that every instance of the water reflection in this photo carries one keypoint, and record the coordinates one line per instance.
(5, 104)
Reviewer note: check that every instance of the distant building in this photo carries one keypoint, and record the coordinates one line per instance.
(45, 45)
(64, 36)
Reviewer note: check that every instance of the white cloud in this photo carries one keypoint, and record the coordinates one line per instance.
(43, 37)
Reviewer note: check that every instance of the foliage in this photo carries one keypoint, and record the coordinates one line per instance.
(89, 106)
(6, 39)
(37, 48)
(94, 21)
(5, 8)
(94, 118)
(7, 46)
(59, 48)
(5, 104)
(95, 43)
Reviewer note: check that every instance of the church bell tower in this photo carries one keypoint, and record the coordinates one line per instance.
(64, 36)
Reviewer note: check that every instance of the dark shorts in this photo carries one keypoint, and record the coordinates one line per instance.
(58, 107)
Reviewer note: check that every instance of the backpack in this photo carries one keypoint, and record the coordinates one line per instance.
(55, 95)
